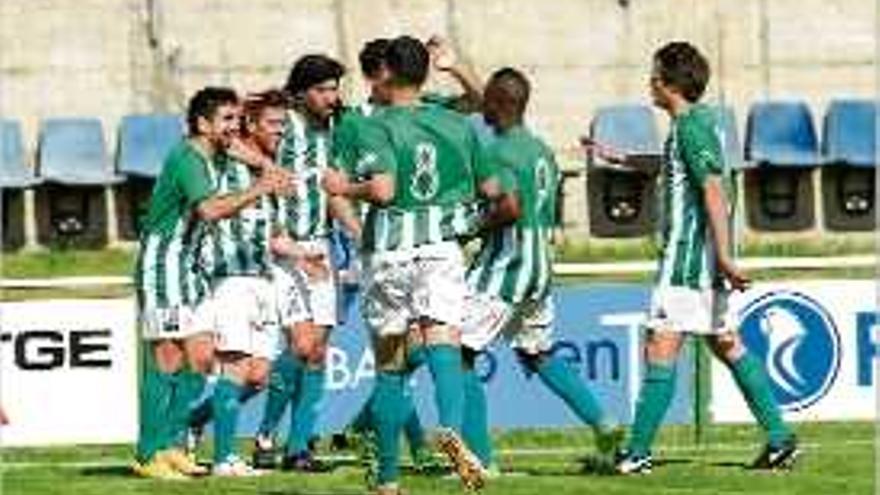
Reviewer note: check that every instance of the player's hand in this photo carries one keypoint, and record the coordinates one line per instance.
(736, 278)
(277, 180)
(442, 56)
(250, 156)
(282, 245)
(335, 182)
(605, 152)
(314, 265)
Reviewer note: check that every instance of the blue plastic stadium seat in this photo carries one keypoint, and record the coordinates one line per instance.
(782, 134)
(72, 152)
(849, 135)
(14, 171)
(628, 128)
(144, 142)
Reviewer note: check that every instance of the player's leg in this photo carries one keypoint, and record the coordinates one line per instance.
(310, 341)
(419, 449)
(750, 376)
(531, 337)
(439, 299)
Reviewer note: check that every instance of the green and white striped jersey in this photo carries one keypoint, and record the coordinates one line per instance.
(239, 245)
(433, 156)
(168, 272)
(305, 150)
(514, 262)
(692, 154)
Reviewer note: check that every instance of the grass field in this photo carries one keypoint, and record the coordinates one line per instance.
(838, 459)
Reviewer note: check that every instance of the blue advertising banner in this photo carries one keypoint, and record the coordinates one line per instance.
(597, 332)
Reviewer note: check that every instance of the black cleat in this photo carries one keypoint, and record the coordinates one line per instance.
(304, 462)
(264, 453)
(628, 463)
(781, 457)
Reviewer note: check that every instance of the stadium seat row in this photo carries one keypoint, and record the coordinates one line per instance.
(77, 190)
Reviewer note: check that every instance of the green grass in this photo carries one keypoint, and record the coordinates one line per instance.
(67, 263)
(838, 459)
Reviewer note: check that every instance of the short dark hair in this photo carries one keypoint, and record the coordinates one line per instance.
(205, 103)
(680, 65)
(254, 103)
(407, 60)
(515, 86)
(372, 56)
(311, 70)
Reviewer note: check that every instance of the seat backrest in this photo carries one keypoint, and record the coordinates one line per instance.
(144, 142)
(72, 151)
(782, 133)
(628, 128)
(849, 135)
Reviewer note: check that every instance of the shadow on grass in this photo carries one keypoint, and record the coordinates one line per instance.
(108, 471)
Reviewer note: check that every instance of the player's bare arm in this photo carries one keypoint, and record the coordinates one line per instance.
(444, 59)
(716, 209)
(271, 181)
(378, 189)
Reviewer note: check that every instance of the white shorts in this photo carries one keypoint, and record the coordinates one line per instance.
(301, 299)
(399, 287)
(527, 326)
(246, 316)
(686, 310)
(177, 322)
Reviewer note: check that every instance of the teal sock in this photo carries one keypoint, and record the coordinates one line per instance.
(305, 410)
(754, 384)
(412, 425)
(562, 380)
(444, 361)
(416, 357)
(226, 405)
(475, 427)
(388, 412)
(203, 412)
(283, 378)
(658, 386)
(363, 422)
(156, 393)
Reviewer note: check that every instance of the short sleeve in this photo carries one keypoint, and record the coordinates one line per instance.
(699, 149)
(375, 153)
(192, 179)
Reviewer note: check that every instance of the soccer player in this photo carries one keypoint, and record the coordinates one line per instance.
(420, 165)
(244, 296)
(510, 277)
(172, 288)
(306, 290)
(696, 270)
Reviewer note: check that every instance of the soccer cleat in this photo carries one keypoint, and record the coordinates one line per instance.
(628, 463)
(264, 453)
(181, 462)
(463, 461)
(389, 489)
(609, 441)
(157, 469)
(235, 467)
(303, 462)
(778, 457)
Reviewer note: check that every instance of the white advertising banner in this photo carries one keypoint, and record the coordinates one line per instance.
(68, 372)
(818, 340)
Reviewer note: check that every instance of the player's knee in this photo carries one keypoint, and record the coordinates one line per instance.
(200, 353)
(169, 356)
(727, 346)
(258, 375)
(530, 360)
(441, 334)
(390, 352)
(316, 355)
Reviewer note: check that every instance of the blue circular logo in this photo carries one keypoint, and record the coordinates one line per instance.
(798, 342)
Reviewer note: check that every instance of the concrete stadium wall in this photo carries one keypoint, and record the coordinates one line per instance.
(108, 58)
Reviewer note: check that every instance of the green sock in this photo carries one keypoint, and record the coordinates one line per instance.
(190, 386)
(475, 427)
(305, 410)
(156, 393)
(226, 405)
(562, 380)
(754, 384)
(658, 386)
(283, 378)
(203, 412)
(416, 357)
(412, 425)
(388, 411)
(444, 361)
(364, 420)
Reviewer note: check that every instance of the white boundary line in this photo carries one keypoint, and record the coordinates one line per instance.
(605, 268)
